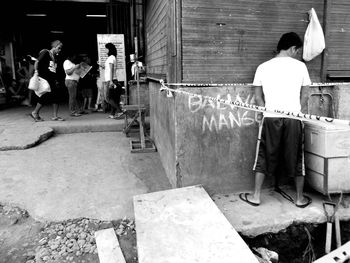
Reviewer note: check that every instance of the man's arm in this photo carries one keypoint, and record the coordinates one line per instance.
(259, 99)
(304, 97)
(36, 65)
(259, 96)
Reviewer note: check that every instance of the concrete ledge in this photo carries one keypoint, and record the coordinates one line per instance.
(275, 213)
(27, 136)
(61, 128)
(24, 137)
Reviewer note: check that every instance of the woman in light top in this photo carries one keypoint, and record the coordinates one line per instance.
(113, 90)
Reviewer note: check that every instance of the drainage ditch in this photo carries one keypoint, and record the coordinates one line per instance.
(302, 243)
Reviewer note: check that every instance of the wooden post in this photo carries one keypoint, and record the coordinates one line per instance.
(136, 49)
(175, 42)
(179, 75)
(142, 133)
(326, 17)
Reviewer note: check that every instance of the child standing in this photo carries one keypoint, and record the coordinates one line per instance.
(87, 85)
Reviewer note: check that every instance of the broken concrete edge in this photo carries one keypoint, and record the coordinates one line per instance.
(15, 206)
(42, 137)
(60, 129)
(267, 229)
(130, 221)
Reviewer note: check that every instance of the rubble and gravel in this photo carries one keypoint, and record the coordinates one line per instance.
(71, 240)
(65, 240)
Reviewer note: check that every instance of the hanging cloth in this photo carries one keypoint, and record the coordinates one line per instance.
(314, 42)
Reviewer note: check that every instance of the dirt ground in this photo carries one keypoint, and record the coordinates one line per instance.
(24, 240)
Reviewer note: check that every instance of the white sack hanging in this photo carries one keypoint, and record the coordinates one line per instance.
(314, 41)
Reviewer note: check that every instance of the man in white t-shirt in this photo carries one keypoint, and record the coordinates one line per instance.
(281, 83)
(71, 82)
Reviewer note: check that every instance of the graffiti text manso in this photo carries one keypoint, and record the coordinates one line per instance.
(222, 116)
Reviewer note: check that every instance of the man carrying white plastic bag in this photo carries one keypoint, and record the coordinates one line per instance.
(314, 42)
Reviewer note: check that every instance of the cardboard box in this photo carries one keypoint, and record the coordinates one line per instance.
(327, 157)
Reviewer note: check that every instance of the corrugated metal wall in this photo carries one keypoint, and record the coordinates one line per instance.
(225, 40)
(156, 36)
(339, 36)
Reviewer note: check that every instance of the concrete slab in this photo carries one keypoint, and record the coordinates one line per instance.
(188, 227)
(91, 175)
(108, 247)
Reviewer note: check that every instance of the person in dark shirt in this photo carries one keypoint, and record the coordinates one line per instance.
(87, 84)
(45, 67)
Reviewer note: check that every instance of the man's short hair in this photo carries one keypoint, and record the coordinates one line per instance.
(288, 40)
(55, 43)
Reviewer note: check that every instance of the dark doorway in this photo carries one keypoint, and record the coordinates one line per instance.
(75, 23)
(33, 25)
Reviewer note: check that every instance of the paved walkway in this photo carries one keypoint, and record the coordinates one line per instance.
(19, 116)
(83, 167)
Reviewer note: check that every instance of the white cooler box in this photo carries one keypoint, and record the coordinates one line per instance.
(327, 157)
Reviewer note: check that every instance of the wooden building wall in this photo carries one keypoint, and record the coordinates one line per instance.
(224, 40)
(339, 37)
(156, 36)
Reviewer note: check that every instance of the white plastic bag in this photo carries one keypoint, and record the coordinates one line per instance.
(33, 82)
(39, 85)
(43, 87)
(314, 42)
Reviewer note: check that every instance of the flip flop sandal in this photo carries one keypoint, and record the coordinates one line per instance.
(309, 201)
(119, 115)
(36, 118)
(57, 119)
(244, 197)
(284, 194)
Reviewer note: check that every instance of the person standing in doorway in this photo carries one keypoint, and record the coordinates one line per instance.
(71, 82)
(25, 72)
(46, 67)
(88, 84)
(281, 83)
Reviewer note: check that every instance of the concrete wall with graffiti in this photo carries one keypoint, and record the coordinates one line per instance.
(215, 143)
(201, 141)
